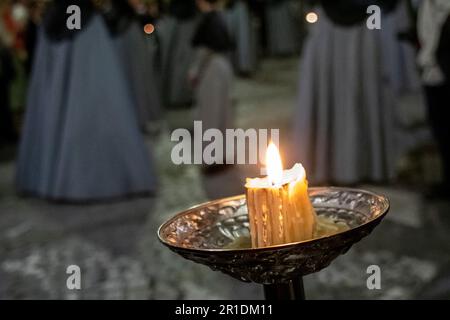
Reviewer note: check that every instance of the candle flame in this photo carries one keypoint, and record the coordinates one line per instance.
(274, 165)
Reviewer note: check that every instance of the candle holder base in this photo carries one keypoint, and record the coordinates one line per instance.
(293, 290)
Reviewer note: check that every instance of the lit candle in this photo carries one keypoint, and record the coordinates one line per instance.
(279, 208)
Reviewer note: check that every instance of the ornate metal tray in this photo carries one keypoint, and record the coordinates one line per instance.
(205, 233)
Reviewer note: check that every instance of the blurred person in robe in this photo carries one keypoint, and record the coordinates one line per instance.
(7, 75)
(283, 27)
(176, 30)
(15, 17)
(81, 141)
(36, 10)
(138, 60)
(245, 36)
(344, 122)
(434, 61)
(211, 75)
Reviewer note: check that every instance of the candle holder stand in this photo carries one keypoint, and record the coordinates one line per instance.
(210, 234)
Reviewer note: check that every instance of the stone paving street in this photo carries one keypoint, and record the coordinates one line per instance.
(116, 247)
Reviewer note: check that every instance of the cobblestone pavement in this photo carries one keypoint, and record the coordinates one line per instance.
(116, 247)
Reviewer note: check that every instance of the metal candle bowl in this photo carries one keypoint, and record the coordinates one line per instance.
(204, 233)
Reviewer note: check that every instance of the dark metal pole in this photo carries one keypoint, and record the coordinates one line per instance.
(292, 290)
